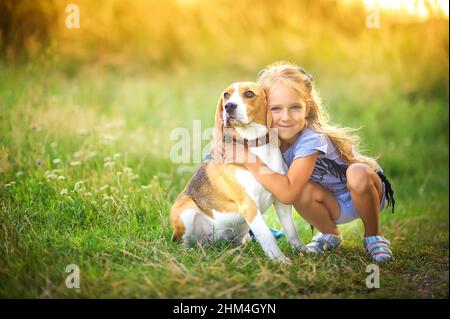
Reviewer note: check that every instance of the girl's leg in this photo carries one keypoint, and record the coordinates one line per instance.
(319, 207)
(365, 190)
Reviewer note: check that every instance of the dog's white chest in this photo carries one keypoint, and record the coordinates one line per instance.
(262, 198)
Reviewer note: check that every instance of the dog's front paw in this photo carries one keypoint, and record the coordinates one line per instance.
(246, 239)
(300, 248)
(282, 259)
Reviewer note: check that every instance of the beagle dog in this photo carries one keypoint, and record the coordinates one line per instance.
(224, 201)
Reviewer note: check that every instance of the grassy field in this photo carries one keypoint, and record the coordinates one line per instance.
(86, 179)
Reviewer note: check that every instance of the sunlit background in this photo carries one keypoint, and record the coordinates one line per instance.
(416, 9)
(409, 43)
(358, 51)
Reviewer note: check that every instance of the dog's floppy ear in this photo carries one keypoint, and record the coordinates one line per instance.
(218, 123)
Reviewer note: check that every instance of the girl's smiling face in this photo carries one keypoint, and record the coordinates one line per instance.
(288, 113)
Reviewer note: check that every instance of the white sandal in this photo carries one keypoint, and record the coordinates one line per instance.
(378, 248)
(323, 242)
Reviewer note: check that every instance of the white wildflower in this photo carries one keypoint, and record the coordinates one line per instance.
(56, 161)
(64, 191)
(109, 164)
(51, 176)
(107, 197)
(75, 163)
(78, 186)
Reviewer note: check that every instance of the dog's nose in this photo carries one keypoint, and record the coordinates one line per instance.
(230, 107)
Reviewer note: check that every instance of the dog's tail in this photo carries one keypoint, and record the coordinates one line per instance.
(177, 235)
(182, 203)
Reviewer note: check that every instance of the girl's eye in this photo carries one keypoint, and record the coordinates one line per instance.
(226, 95)
(249, 94)
(275, 109)
(296, 107)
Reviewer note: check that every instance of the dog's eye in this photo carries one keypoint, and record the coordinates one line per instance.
(226, 95)
(249, 94)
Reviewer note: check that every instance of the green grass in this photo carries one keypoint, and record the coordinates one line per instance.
(119, 234)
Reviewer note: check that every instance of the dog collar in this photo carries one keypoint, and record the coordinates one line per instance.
(263, 140)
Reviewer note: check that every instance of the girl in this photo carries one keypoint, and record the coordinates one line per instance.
(328, 181)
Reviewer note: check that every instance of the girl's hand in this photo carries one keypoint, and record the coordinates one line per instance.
(236, 153)
(232, 153)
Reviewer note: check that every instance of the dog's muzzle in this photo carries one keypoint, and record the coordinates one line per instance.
(230, 107)
(230, 114)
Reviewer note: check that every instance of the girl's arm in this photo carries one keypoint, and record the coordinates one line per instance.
(286, 188)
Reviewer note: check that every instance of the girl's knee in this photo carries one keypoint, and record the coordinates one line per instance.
(359, 177)
(310, 194)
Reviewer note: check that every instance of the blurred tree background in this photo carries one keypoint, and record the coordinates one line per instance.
(408, 53)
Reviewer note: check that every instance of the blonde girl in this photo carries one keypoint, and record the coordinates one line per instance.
(328, 181)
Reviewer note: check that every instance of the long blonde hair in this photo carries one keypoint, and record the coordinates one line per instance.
(344, 139)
